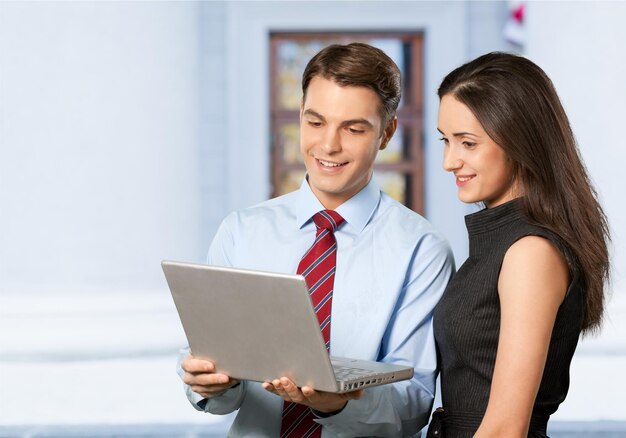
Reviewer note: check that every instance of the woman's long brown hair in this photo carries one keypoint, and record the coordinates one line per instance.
(518, 107)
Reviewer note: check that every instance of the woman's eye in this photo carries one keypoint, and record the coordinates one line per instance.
(445, 140)
(469, 144)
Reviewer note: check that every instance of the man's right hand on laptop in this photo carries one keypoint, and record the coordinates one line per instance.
(201, 376)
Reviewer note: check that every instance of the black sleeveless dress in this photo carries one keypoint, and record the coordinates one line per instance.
(467, 325)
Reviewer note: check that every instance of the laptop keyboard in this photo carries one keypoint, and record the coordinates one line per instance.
(343, 372)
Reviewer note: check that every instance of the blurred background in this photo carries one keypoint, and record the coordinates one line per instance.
(128, 130)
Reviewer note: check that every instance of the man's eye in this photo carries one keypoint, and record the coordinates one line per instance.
(356, 131)
(315, 124)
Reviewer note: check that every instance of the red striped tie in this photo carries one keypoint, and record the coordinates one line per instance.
(318, 268)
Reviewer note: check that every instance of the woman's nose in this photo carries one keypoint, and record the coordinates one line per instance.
(451, 161)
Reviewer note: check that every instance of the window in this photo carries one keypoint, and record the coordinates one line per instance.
(399, 167)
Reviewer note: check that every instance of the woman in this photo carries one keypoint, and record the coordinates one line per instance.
(508, 323)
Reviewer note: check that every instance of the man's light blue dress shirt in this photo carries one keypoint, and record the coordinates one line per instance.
(392, 268)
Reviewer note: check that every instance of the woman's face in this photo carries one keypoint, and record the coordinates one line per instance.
(481, 168)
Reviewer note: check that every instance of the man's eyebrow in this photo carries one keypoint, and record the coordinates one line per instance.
(317, 115)
(357, 122)
(310, 112)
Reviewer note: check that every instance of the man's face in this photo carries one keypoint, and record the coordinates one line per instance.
(340, 135)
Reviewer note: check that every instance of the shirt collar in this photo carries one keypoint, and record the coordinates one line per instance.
(357, 210)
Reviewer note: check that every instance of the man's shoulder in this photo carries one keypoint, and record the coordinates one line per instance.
(271, 209)
(403, 224)
(398, 215)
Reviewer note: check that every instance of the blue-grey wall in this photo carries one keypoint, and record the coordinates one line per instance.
(100, 137)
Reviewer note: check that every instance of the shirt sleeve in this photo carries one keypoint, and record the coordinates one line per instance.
(403, 408)
(220, 254)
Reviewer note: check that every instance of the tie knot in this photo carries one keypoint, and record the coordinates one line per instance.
(328, 219)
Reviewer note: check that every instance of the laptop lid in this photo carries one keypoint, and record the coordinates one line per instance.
(253, 325)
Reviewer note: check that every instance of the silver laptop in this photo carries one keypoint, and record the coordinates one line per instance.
(261, 326)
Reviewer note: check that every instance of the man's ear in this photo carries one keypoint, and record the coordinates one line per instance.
(390, 129)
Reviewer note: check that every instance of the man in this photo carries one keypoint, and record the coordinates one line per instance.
(387, 266)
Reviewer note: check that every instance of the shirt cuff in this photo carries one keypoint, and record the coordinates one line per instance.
(319, 414)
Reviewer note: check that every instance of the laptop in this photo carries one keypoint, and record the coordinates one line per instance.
(261, 326)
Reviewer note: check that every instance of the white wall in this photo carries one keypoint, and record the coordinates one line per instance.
(580, 45)
(99, 143)
(100, 163)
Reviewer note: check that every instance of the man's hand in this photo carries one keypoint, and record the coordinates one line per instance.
(317, 400)
(201, 376)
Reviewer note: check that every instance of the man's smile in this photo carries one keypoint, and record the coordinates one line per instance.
(330, 163)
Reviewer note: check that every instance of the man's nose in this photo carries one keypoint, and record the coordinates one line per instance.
(331, 141)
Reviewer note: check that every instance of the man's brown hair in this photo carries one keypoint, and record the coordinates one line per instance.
(360, 65)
